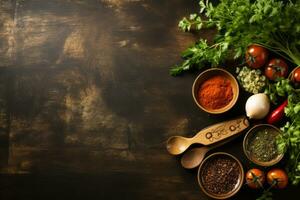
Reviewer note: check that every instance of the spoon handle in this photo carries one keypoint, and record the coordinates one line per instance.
(220, 131)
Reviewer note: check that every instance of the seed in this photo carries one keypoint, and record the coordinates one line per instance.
(220, 175)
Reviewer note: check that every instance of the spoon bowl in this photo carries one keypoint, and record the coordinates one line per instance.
(194, 157)
(177, 145)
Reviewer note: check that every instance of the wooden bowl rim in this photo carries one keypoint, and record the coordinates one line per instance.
(257, 162)
(237, 188)
(234, 83)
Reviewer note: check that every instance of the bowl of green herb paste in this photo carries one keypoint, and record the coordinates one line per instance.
(261, 146)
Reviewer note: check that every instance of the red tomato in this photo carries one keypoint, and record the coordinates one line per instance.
(277, 178)
(256, 56)
(255, 178)
(296, 75)
(276, 68)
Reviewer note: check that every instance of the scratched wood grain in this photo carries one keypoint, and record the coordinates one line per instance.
(86, 102)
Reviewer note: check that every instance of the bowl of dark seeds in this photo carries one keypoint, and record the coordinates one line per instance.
(220, 175)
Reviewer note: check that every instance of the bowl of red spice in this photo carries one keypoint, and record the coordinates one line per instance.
(215, 91)
(220, 175)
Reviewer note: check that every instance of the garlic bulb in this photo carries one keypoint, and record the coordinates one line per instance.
(257, 106)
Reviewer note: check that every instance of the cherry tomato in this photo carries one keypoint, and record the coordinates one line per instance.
(276, 68)
(255, 178)
(277, 178)
(296, 75)
(256, 56)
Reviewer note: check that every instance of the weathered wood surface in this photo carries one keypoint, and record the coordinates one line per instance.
(86, 102)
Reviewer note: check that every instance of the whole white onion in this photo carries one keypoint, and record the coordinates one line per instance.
(257, 106)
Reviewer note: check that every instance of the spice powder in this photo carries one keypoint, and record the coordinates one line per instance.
(220, 175)
(262, 146)
(215, 93)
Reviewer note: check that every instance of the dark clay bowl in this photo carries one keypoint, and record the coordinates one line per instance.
(208, 74)
(237, 186)
(251, 133)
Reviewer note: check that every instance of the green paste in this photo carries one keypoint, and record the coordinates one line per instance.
(262, 146)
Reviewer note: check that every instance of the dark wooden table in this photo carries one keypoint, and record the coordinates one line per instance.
(86, 101)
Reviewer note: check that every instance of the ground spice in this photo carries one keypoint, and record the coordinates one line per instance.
(215, 92)
(262, 146)
(220, 175)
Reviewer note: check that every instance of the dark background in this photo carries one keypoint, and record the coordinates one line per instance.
(86, 101)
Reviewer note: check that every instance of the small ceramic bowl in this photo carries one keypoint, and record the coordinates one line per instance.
(251, 133)
(208, 74)
(236, 187)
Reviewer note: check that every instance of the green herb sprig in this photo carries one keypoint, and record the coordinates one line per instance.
(270, 23)
(290, 141)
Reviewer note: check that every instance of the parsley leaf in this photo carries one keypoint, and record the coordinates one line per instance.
(289, 142)
(270, 23)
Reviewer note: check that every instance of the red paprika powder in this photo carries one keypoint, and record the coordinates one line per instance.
(215, 93)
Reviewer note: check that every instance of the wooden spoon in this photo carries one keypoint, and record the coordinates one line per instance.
(212, 134)
(194, 157)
